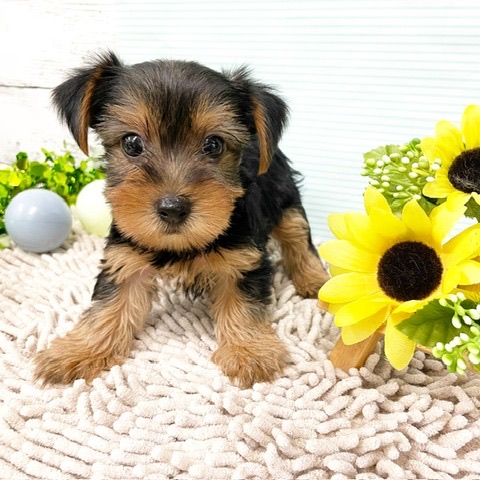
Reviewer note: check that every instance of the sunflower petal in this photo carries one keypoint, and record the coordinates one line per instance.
(469, 272)
(427, 145)
(417, 221)
(348, 287)
(336, 223)
(345, 255)
(362, 234)
(463, 246)
(457, 199)
(449, 138)
(471, 126)
(409, 307)
(360, 309)
(450, 280)
(385, 223)
(334, 270)
(443, 220)
(399, 349)
(440, 187)
(373, 199)
(362, 330)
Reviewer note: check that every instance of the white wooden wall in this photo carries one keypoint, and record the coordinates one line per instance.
(356, 73)
(39, 41)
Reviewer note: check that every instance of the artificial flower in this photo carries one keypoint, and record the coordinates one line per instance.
(458, 149)
(400, 172)
(388, 267)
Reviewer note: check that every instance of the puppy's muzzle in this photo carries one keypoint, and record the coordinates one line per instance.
(174, 209)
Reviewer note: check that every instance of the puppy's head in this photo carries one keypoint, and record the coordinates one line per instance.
(174, 134)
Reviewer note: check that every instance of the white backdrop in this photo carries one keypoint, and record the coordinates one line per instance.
(357, 74)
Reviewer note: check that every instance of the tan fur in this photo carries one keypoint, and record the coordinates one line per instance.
(303, 267)
(84, 116)
(211, 119)
(262, 134)
(248, 349)
(103, 336)
(132, 117)
(213, 205)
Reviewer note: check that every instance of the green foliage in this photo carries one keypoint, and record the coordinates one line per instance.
(400, 172)
(449, 327)
(61, 174)
(433, 324)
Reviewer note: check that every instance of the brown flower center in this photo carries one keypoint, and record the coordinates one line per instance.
(409, 271)
(464, 173)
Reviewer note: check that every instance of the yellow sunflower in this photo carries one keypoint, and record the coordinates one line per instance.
(458, 178)
(384, 268)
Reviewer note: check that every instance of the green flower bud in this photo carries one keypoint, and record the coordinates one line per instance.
(464, 337)
(424, 164)
(447, 359)
(475, 331)
(473, 349)
(461, 364)
(474, 359)
(474, 313)
(456, 322)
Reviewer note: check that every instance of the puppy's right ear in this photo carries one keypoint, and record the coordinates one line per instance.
(80, 99)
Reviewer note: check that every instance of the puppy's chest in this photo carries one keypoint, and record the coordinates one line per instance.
(204, 270)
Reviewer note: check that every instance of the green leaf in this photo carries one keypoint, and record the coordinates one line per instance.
(38, 169)
(473, 210)
(22, 161)
(433, 324)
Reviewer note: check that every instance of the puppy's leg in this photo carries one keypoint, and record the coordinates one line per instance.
(249, 350)
(102, 338)
(300, 257)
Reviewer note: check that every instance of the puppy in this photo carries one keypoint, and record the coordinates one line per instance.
(197, 185)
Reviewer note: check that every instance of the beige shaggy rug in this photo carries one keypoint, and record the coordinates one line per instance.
(168, 413)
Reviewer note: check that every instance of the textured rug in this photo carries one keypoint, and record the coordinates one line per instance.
(168, 413)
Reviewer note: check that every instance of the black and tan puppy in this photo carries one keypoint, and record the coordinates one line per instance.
(197, 185)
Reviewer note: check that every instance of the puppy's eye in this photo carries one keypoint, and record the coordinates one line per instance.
(213, 146)
(133, 145)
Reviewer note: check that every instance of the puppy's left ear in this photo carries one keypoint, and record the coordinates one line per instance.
(268, 115)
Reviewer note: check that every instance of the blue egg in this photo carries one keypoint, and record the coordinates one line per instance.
(38, 220)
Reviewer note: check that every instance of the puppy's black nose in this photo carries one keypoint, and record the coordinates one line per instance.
(174, 209)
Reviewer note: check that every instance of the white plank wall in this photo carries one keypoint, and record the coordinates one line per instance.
(40, 41)
(356, 73)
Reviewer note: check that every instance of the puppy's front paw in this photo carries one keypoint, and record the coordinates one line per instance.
(248, 363)
(64, 363)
